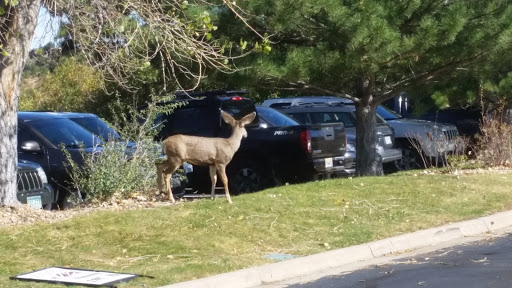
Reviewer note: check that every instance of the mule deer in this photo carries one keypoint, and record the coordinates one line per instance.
(203, 151)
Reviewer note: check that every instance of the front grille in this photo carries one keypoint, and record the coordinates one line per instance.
(28, 181)
(451, 134)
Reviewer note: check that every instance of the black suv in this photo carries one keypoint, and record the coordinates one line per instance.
(268, 157)
(40, 136)
(33, 187)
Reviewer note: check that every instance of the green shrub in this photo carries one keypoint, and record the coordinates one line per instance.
(456, 161)
(116, 170)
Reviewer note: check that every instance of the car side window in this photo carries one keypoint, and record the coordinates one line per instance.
(23, 136)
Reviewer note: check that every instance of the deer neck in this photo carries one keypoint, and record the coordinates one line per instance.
(235, 138)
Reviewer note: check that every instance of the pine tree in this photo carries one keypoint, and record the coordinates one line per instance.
(368, 50)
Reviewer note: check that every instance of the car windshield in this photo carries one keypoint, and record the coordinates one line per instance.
(64, 131)
(387, 114)
(98, 127)
(275, 118)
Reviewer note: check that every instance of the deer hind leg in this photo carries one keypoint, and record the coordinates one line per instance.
(160, 168)
(213, 177)
(222, 173)
(167, 170)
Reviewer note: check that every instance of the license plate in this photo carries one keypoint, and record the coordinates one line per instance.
(328, 162)
(35, 202)
(387, 140)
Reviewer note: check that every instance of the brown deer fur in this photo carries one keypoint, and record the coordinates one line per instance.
(203, 151)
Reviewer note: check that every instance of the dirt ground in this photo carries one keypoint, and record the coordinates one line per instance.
(26, 215)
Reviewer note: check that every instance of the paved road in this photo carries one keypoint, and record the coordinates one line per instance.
(482, 264)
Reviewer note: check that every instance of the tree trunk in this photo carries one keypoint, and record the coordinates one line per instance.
(368, 160)
(18, 22)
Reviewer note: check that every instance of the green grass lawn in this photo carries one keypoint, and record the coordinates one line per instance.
(201, 238)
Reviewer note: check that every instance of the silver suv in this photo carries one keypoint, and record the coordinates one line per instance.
(422, 142)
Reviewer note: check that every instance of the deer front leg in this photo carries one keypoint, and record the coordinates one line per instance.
(222, 172)
(213, 178)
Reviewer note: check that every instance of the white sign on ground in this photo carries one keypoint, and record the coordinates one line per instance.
(84, 277)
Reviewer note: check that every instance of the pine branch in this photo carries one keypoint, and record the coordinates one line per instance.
(305, 85)
(427, 76)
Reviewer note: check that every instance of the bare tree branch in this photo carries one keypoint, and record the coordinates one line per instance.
(122, 38)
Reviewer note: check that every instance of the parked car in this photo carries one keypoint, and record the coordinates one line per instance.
(419, 140)
(33, 186)
(269, 156)
(91, 122)
(41, 137)
(321, 138)
(100, 128)
(328, 113)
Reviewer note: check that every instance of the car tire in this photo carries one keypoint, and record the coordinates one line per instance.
(48, 206)
(179, 182)
(245, 176)
(411, 158)
(67, 201)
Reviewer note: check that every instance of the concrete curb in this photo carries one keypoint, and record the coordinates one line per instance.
(297, 267)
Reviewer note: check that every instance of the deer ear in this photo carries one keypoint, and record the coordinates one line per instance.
(248, 118)
(227, 118)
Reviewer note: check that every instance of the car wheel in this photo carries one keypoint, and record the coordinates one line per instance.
(410, 159)
(65, 203)
(178, 183)
(245, 177)
(68, 201)
(48, 206)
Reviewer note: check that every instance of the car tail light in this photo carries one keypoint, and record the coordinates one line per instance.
(305, 141)
(236, 98)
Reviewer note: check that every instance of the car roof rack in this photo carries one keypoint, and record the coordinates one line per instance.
(181, 95)
(307, 104)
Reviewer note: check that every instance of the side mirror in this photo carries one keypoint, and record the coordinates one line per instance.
(31, 147)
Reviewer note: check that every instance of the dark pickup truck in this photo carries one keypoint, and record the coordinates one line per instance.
(269, 156)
